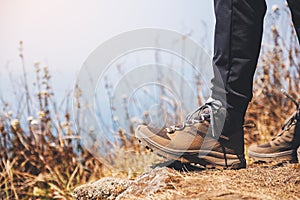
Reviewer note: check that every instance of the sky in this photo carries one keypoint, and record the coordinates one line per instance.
(62, 34)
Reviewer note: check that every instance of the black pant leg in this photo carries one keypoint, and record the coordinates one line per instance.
(295, 10)
(238, 34)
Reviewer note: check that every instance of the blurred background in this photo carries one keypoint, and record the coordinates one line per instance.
(61, 34)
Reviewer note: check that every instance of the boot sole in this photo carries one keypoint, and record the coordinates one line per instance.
(208, 158)
(267, 157)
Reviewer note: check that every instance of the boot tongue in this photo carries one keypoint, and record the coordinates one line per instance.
(204, 115)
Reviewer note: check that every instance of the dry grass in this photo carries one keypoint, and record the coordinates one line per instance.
(38, 158)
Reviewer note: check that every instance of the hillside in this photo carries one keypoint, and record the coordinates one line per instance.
(258, 181)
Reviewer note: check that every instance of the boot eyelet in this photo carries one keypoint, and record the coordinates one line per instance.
(189, 123)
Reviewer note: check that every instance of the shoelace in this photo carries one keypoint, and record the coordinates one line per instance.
(279, 137)
(291, 121)
(286, 126)
(211, 106)
(295, 117)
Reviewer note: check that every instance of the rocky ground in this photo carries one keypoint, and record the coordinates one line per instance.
(258, 181)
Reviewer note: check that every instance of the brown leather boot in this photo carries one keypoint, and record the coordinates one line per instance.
(199, 139)
(283, 146)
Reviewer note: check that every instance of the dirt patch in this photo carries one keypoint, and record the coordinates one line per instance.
(259, 181)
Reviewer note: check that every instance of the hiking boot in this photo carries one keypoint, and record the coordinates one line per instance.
(283, 146)
(198, 140)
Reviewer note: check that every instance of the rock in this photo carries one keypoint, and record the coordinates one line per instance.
(105, 188)
(146, 185)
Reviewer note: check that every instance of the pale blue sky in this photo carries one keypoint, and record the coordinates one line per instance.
(58, 30)
(62, 33)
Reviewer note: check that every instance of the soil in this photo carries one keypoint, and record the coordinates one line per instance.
(177, 181)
